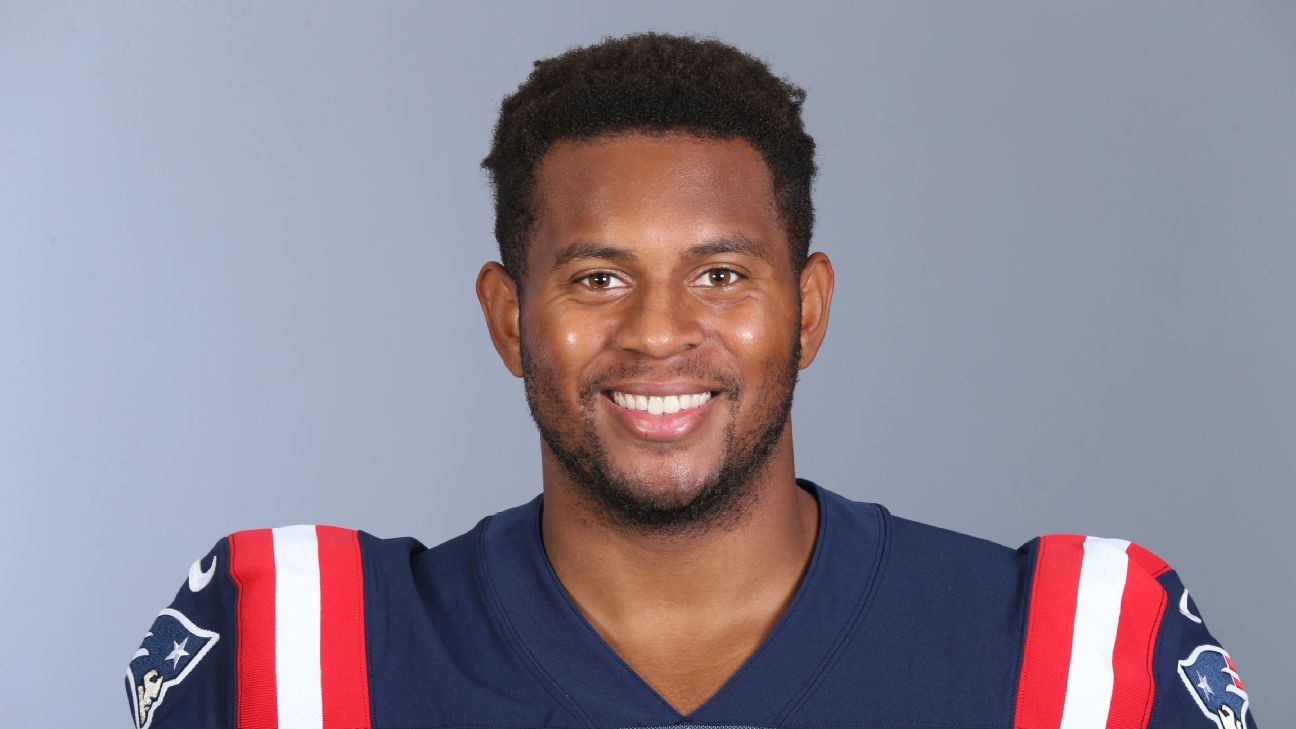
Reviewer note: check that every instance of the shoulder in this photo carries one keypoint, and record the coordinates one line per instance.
(330, 563)
(1094, 584)
(299, 556)
(1107, 558)
(941, 568)
(1043, 567)
(1100, 628)
(1112, 632)
(274, 615)
(940, 544)
(1104, 593)
(951, 603)
(1096, 591)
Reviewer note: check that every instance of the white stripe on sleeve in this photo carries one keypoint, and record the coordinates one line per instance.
(1098, 603)
(297, 628)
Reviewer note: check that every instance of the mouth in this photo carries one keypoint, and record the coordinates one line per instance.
(661, 416)
(660, 404)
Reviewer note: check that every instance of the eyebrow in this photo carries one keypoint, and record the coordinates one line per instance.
(741, 244)
(581, 250)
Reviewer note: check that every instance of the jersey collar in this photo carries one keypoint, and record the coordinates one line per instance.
(582, 672)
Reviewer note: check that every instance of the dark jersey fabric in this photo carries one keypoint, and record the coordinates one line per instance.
(896, 625)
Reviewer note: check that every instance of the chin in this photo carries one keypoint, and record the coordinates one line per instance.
(663, 480)
(662, 494)
(667, 501)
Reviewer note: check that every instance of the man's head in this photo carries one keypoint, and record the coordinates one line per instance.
(648, 83)
(653, 214)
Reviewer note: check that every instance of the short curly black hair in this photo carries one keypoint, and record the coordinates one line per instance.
(655, 83)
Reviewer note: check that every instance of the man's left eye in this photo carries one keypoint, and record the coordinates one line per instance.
(719, 277)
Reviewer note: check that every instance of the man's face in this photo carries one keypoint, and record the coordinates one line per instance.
(659, 323)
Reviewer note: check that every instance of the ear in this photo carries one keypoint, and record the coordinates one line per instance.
(817, 280)
(498, 295)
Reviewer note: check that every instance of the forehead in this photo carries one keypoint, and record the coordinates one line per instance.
(636, 187)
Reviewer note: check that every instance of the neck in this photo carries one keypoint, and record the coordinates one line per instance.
(625, 581)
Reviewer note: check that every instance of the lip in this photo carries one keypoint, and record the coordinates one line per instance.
(663, 428)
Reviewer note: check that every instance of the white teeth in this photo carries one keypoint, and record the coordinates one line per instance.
(658, 404)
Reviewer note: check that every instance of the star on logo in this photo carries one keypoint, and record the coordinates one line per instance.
(1204, 685)
(179, 652)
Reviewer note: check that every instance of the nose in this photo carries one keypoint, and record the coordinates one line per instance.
(660, 322)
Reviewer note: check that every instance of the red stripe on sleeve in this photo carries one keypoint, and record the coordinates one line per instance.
(343, 667)
(252, 567)
(1148, 561)
(1046, 655)
(1142, 606)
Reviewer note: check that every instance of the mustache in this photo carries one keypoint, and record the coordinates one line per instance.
(686, 367)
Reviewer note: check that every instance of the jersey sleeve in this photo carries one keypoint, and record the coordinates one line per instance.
(1199, 681)
(182, 674)
(1112, 639)
(268, 630)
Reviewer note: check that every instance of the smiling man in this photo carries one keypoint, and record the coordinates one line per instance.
(657, 295)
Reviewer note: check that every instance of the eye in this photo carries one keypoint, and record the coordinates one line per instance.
(719, 277)
(600, 280)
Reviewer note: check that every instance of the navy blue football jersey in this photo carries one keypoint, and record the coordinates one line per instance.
(896, 625)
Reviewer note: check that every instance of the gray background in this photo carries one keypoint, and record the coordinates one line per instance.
(238, 242)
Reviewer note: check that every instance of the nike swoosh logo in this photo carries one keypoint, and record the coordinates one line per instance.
(1183, 608)
(198, 579)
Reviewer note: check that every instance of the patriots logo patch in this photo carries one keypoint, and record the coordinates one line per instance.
(1213, 681)
(171, 649)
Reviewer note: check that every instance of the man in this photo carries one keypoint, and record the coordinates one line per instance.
(657, 296)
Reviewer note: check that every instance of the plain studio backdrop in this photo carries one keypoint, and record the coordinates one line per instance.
(238, 244)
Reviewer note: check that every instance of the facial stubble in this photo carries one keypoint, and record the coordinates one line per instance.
(629, 501)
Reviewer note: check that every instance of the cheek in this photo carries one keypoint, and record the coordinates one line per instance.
(758, 334)
(760, 342)
(567, 344)
(578, 343)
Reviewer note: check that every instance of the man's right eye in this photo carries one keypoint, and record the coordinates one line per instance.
(601, 280)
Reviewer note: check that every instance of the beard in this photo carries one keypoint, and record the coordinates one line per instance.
(640, 502)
